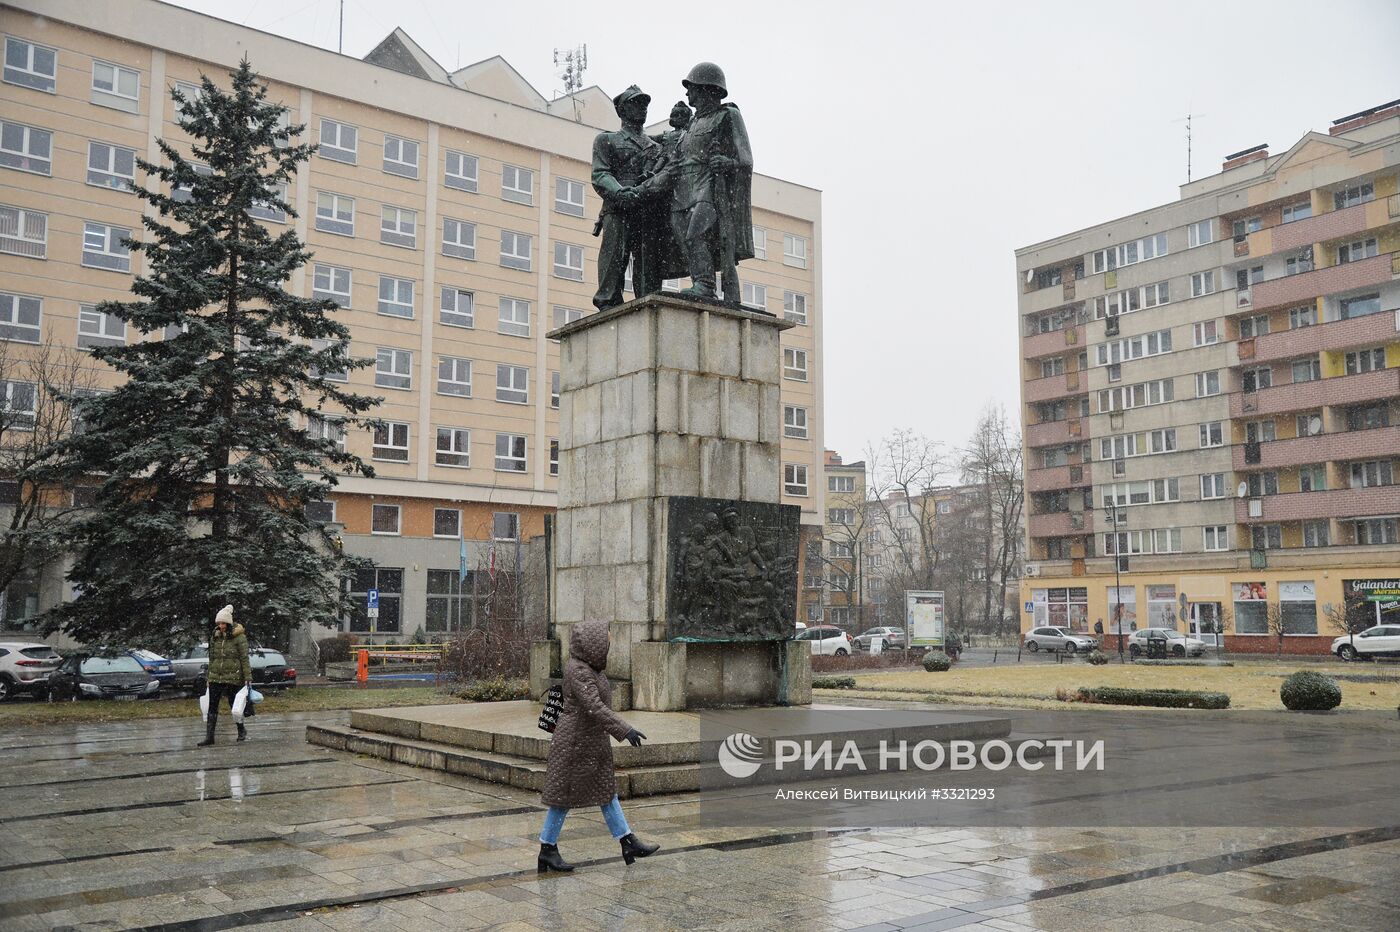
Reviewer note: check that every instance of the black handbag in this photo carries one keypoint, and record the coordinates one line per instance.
(553, 707)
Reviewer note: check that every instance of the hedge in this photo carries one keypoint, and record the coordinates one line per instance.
(833, 682)
(1156, 698)
(1308, 691)
(495, 689)
(937, 662)
(1097, 657)
(1183, 663)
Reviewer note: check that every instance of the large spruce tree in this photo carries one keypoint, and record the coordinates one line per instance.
(202, 453)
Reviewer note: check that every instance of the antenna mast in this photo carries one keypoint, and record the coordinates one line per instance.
(340, 46)
(1188, 148)
(575, 63)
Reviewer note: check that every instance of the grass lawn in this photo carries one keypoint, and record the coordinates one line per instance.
(1249, 686)
(15, 714)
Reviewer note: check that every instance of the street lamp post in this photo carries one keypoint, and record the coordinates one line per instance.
(1112, 511)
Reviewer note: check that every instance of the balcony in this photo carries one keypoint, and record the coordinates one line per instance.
(1381, 385)
(1062, 524)
(1295, 289)
(1303, 451)
(1337, 335)
(1056, 477)
(1045, 344)
(1069, 430)
(1329, 226)
(1053, 386)
(1316, 506)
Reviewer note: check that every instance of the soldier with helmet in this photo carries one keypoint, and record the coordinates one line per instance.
(629, 226)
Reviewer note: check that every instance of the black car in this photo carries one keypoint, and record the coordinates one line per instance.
(88, 676)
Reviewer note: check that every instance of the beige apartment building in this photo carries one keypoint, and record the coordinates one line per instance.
(449, 214)
(1211, 396)
(835, 560)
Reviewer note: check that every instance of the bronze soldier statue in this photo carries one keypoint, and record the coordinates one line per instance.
(710, 177)
(621, 161)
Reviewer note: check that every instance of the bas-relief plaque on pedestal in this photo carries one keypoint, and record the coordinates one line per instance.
(732, 570)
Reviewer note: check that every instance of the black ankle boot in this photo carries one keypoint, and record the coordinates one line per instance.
(209, 724)
(242, 732)
(633, 848)
(551, 860)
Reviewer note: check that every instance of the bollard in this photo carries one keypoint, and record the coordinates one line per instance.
(362, 668)
(994, 656)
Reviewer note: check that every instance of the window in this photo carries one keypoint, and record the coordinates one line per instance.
(1246, 277)
(385, 519)
(795, 307)
(845, 516)
(505, 525)
(566, 315)
(1257, 431)
(400, 156)
(1307, 370)
(517, 184)
(1359, 306)
(268, 208)
(568, 261)
(841, 483)
(1251, 607)
(1212, 434)
(111, 166)
(450, 603)
(515, 250)
(1357, 194)
(393, 368)
(1302, 317)
(30, 65)
(395, 296)
(760, 243)
(335, 213)
(1309, 425)
(20, 315)
(1366, 417)
(1207, 383)
(568, 197)
(1317, 533)
(1262, 483)
(1148, 344)
(319, 346)
(1377, 531)
(794, 422)
(98, 329)
(554, 388)
(1143, 394)
(1106, 260)
(19, 400)
(1312, 478)
(1202, 283)
(1053, 366)
(458, 238)
(1299, 211)
(389, 583)
(510, 453)
(319, 427)
(339, 141)
(460, 171)
(1252, 380)
(398, 227)
(1297, 265)
(1266, 537)
(794, 479)
(1146, 492)
(453, 447)
(319, 512)
(795, 364)
(554, 457)
(795, 250)
(23, 232)
(1372, 474)
(330, 283)
(116, 87)
(1251, 327)
(26, 148)
(447, 522)
(454, 376)
(1356, 251)
(391, 442)
(458, 307)
(1215, 537)
(1213, 485)
(1200, 233)
(755, 296)
(1205, 333)
(512, 384)
(1367, 360)
(513, 317)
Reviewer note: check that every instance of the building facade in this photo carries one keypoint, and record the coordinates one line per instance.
(449, 214)
(1211, 402)
(834, 588)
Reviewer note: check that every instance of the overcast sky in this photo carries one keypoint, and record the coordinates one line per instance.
(944, 136)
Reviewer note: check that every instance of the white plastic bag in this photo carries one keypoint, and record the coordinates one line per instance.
(254, 696)
(204, 706)
(239, 701)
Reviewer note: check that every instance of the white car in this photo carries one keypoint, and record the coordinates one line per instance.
(825, 639)
(25, 667)
(1053, 638)
(1377, 641)
(1178, 644)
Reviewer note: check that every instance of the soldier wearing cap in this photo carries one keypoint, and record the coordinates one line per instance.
(710, 179)
(621, 161)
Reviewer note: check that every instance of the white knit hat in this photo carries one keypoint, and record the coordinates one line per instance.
(225, 616)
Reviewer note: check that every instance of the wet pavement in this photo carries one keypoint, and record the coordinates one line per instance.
(131, 826)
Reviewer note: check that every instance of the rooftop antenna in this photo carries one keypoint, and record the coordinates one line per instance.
(1187, 119)
(574, 63)
(340, 45)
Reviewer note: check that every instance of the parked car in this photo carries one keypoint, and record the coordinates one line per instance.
(894, 638)
(1377, 641)
(189, 668)
(154, 664)
(90, 676)
(269, 668)
(25, 667)
(1053, 638)
(1178, 644)
(826, 639)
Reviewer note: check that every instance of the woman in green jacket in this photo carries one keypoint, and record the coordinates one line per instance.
(229, 670)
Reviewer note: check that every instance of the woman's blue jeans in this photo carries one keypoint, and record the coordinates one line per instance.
(554, 822)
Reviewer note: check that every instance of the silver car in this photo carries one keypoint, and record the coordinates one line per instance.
(25, 667)
(1178, 644)
(1052, 638)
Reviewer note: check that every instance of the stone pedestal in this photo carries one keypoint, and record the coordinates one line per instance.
(666, 403)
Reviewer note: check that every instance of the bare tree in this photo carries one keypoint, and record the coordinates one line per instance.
(1273, 618)
(991, 465)
(1349, 620)
(905, 470)
(846, 551)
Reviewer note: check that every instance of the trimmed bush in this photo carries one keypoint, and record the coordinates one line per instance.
(335, 649)
(833, 682)
(935, 662)
(1307, 691)
(1155, 698)
(1097, 657)
(495, 689)
(1144, 662)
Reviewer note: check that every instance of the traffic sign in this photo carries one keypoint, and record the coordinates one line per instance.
(372, 612)
(372, 599)
(1030, 606)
